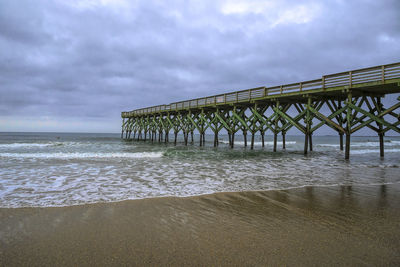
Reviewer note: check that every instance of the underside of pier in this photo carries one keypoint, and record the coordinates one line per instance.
(345, 102)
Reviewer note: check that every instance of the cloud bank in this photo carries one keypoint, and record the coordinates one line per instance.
(75, 65)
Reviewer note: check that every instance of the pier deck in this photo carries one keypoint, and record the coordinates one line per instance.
(346, 102)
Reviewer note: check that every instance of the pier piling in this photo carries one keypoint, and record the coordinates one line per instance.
(346, 102)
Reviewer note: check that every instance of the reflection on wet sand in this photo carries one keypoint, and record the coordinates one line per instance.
(349, 225)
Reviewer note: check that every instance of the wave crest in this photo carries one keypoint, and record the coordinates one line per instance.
(83, 155)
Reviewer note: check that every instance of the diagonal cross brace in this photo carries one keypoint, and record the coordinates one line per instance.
(290, 119)
(327, 120)
(375, 118)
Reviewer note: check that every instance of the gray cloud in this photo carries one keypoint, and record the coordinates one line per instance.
(90, 60)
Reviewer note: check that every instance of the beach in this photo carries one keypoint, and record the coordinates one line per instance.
(333, 225)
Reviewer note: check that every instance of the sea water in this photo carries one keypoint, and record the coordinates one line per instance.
(63, 169)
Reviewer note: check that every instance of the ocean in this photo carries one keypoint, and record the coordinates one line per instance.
(66, 169)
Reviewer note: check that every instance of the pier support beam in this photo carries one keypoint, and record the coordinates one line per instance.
(347, 152)
(348, 126)
(123, 124)
(380, 127)
(262, 138)
(245, 138)
(176, 137)
(341, 141)
(283, 140)
(306, 144)
(307, 121)
(185, 136)
(276, 128)
(340, 121)
(215, 138)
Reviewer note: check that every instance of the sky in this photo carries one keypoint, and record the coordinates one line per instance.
(73, 66)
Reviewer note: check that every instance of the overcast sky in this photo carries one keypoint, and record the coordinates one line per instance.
(75, 65)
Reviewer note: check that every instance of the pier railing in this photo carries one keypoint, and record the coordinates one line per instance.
(338, 80)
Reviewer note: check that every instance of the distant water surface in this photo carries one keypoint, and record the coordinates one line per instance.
(63, 169)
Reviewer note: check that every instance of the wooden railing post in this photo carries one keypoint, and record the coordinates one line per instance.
(337, 80)
(351, 78)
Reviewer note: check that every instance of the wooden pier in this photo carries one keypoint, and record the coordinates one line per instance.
(346, 102)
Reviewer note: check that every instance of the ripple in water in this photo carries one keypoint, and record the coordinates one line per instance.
(80, 169)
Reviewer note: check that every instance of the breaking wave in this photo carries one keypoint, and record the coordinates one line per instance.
(83, 155)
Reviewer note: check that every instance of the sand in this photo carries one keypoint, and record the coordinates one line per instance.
(340, 225)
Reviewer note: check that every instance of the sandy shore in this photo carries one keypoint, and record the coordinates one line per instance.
(340, 225)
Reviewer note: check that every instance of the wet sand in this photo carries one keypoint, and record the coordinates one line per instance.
(343, 225)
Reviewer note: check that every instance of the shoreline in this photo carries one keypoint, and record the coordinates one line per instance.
(301, 226)
(203, 195)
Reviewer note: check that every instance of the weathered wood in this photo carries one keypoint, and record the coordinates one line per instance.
(306, 144)
(262, 138)
(347, 151)
(307, 121)
(268, 110)
(348, 128)
(176, 136)
(380, 128)
(283, 140)
(341, 141)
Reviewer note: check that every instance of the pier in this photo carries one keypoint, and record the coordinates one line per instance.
(346, 102)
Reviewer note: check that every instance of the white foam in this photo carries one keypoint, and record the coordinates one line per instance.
(83, 155)
(18, 145)
(259, 143)
(328, 145)
(374, 144)
(363, 144)
(367, 151)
